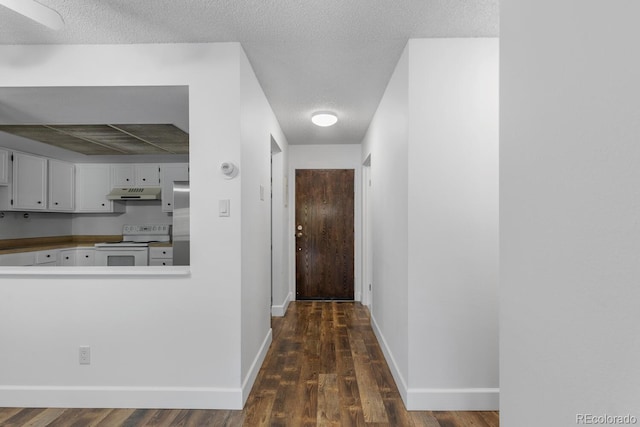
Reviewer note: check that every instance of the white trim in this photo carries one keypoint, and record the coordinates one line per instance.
(255, 367)
(391, 362)
(453, 399)
(96, 271)
(120, 397)
(280, 310)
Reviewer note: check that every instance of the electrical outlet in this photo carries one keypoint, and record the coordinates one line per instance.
(85, 355)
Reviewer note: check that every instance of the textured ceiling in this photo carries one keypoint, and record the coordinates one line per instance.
(331, 55)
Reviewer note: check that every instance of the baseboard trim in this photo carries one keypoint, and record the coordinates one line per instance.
(280, 310)
(463, 399)
(255, 367)
(393, 366)
(120, 397)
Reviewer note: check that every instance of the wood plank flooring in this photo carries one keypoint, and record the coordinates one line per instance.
(324, 368)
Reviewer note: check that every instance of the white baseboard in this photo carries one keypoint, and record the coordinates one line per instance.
(428, 399)
(280, 310)
(120, 397)
(255, 367)
(463, 399)
(393, 366)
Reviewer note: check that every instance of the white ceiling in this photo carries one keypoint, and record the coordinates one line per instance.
(308, 55)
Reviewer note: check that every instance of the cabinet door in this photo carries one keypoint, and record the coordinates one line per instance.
(61, 185)
(85, 257)
(29, 182)
(123, 176)
(67, 257)
(4, 167)
(93, 183)
(147, 175)
(168, 174)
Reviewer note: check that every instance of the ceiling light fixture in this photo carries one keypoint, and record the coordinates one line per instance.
(324, 119)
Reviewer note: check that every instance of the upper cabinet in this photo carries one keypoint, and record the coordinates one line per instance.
(93, 183)
(169, 173)
(62, 184)
(4, 166)
(135, 175)
(29, 182)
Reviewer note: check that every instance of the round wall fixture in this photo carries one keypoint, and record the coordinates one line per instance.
(324, 119)
(229, 170)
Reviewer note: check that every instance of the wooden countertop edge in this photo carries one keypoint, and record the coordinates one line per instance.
(32, 244)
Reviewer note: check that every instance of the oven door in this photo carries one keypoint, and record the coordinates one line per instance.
(121, 256)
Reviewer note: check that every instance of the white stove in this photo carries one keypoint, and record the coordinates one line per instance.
(133, 250)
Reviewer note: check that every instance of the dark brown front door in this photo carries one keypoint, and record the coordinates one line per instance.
(324, 233)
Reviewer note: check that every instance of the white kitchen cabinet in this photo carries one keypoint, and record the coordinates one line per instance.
(4, 166)
(61, 185)
(135, 175)
(147, 175)
(67, 257)
(29, 182)
(47, 258)
(85, 257)
(93, 183)
(161, 255)
(81, 257)
(169, 173)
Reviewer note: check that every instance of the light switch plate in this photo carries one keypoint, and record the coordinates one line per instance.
(224, 207)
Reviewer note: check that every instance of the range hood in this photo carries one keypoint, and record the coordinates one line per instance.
(135, 193)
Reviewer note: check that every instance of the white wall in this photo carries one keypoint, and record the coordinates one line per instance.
(338, 156)
(141, 212)
(387, 142)
(434, 167)
(157, 341)
(453, 222)
(569, 212)
(280, 295)
(258, 125)
(15, 226)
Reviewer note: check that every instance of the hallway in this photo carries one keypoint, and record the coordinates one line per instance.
(324, 368)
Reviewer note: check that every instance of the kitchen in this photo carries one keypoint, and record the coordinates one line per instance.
(68, 193)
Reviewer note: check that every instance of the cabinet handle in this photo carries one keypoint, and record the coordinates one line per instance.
(168, 204)
(86, 256)
(102, 204)
(127, 179)
(144, 179)
(66, 257)
(55, 203)
(48, 256)
(39, 202)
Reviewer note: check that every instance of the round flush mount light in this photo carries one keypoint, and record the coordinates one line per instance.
(324, 119)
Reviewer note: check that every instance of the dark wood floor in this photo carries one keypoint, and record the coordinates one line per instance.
(324, 368)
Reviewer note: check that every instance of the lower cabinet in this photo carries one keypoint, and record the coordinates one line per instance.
(47, 258)
(161, 256)
(76, 257)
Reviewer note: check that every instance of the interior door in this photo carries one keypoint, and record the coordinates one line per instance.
(324, 234)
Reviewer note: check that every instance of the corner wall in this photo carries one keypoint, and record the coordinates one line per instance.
(258, 127)
(569, 212)
(156, 342)
(433, 144)
(453, 218)
(387, 142)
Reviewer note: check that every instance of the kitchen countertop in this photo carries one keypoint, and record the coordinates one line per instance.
(32, 244)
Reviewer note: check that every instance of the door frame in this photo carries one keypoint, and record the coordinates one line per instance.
(339, 162)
